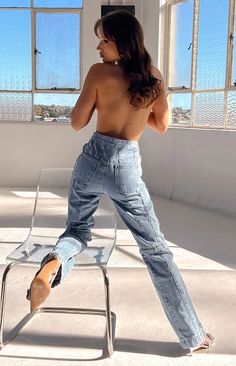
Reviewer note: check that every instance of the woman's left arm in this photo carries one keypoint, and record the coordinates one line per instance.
(85, 105)
(159, 117)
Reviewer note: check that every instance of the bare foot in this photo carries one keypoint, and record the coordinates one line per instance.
(41, 285)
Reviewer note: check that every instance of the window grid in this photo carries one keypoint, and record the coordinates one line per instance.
(174, 90)
(34, 91)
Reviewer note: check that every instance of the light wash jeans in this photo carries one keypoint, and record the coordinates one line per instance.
(113, 166)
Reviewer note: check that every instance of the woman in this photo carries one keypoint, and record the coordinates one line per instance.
(128, 94)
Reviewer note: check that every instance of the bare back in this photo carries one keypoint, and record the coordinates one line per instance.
(116, 117)
(105, 90)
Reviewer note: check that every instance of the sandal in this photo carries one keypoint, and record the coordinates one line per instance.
(206, 344)
(40, 287)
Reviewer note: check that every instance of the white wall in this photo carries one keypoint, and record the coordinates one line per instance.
(195, 166)
(26, 148)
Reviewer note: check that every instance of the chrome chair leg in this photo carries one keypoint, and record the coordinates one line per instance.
(15, 331)
(108, 311)
(2, 301)
(110, 316)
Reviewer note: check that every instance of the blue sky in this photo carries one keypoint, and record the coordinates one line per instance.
(57, 64)
(212, 39)
(182, 37)
(212, 47)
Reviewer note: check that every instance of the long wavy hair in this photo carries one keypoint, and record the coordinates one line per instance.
(126, 31)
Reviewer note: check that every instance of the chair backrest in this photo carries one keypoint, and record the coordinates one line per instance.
(49, 221)
(50, 209)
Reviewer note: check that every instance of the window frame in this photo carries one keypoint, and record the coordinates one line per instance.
(192, 89)
(33, 11)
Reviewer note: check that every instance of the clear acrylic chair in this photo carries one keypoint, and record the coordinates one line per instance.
(48, 222)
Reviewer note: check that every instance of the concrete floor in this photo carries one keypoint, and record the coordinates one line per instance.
(203, 244)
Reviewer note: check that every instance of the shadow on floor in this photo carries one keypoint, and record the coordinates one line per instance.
(54, 342)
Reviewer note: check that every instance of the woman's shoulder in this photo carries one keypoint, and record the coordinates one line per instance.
(96, 66)
(156, 72)
(101, 69)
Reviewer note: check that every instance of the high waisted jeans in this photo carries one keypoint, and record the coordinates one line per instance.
(113, 166)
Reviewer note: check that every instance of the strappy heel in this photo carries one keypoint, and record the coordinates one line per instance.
(206, 344)
(28, 290)
(40, 287)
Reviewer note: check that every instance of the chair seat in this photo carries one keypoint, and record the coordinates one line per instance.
(49, 222)
(36, 247)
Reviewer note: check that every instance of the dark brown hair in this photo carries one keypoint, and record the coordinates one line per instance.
(126, 31)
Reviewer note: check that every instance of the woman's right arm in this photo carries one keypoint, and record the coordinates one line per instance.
(85, 105)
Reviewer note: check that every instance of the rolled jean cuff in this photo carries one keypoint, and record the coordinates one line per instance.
(65, 250)
(82, 236)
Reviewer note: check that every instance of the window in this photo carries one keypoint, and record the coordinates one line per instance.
(201, 75)
(40, 59)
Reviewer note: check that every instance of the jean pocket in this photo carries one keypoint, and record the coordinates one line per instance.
(84, 170)
(127, 178)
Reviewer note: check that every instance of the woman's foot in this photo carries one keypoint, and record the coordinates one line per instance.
(208, 341)
(41, 285)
